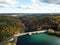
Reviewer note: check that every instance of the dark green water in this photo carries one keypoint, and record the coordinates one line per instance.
(38, 39)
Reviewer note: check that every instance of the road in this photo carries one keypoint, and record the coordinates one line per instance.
(30, 33)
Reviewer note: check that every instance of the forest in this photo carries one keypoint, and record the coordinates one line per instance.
(10, 25)
(51, 23)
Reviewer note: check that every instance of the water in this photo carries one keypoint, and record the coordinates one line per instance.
(38, 39)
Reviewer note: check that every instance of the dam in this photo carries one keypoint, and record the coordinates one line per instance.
(30, 33)
(21, 34)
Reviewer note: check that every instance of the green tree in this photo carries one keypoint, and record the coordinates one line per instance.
(10, 26)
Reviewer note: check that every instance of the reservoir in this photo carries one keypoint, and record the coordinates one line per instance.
(38, 39)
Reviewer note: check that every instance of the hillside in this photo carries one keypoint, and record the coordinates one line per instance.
(42, 22)
(10, 26)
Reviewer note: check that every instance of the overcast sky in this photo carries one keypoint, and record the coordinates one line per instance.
(30, 6)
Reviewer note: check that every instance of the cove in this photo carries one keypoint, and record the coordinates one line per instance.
(38, 39)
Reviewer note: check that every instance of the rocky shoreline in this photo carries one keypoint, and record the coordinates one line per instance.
(53, 32)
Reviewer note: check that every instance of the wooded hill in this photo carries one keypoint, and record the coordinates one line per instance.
(10, 25)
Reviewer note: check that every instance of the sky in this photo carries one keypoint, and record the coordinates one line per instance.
(29, 6)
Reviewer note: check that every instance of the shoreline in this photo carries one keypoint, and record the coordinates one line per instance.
(52, 32)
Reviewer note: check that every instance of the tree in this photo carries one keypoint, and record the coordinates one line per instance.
(10, 26)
